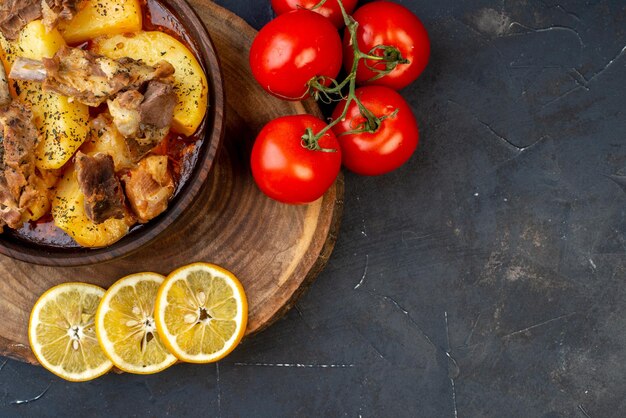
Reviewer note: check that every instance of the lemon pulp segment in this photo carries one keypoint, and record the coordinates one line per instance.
(62, 332)
(201, 312)
(125, 325)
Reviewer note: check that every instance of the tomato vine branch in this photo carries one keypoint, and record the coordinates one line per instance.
(318, 5)
(324, 88)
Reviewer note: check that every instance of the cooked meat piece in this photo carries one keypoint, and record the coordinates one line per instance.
(124, 110)
(9, 212)
(20, 140)
(29, 196)
(55, 10)
(157, 108)
(89, 78)
(132, 109)
(139, 149)
(104, 198)
(5, 94)
(149, 187)
(21, 185)
(144, 119)
(28, 69)
(93, 79)
(15, 14)
(151, 135)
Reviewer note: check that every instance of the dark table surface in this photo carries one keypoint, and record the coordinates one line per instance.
(484, 278)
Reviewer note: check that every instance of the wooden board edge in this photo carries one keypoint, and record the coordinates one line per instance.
(319, 264)
(17, 351)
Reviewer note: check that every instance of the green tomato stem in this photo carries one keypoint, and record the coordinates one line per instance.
(392, 57)
(318, 5)
(310, 141)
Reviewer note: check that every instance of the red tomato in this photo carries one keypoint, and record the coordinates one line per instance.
(288, 172)
(291, 50)
(390, 146)
(330, 9)
(387, 23)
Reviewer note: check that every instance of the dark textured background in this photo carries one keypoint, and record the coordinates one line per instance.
(485, 278)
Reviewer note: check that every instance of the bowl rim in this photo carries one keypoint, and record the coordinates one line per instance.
(214, 131)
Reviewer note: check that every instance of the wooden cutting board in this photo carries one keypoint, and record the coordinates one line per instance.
(276, 250)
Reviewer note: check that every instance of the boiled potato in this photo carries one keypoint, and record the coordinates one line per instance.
(68, 212)
(190, 83)
(35, 43)
(105, 138)
(63, 125)
(5, 54)
(5, 47)
(102, 17)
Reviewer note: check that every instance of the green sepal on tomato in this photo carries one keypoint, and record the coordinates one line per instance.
(384, 23)
(330, 9)
(377, 149)
(288, 171)
(293, 49)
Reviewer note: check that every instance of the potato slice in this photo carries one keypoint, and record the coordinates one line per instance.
(35, 43)
(105, 138)
(190, 83)
(68, 212)
(63, 125)
(102, 17)
(5, 48)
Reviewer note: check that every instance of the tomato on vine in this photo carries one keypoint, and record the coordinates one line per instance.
(295, 159)
(330, 9)
(390, 30)
(294, 49)
(379, 135)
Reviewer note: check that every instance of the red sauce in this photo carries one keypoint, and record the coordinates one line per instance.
(181, 150)
(157, 16)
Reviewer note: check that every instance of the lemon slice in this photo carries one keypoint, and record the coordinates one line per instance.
(125, 325)
(201, 312)
(62, 334)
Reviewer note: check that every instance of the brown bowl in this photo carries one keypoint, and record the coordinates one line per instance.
(212, 132)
